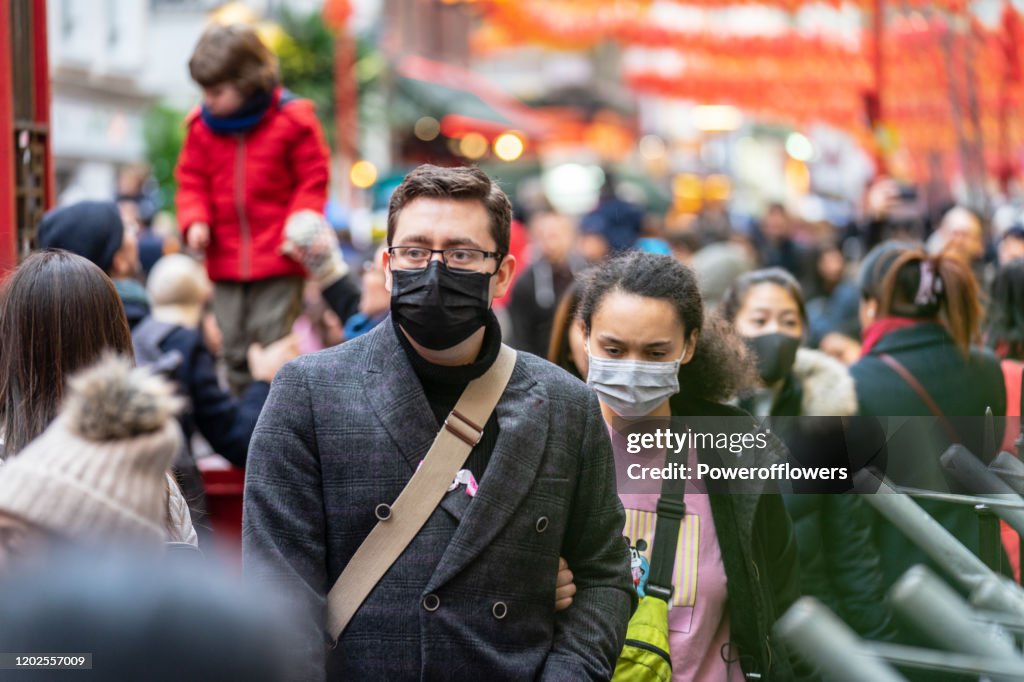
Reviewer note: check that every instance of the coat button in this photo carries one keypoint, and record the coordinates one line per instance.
(542, 524)
(431, 602)
(499, 610)
(382, 511)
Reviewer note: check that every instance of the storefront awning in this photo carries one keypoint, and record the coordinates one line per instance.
(463, 101)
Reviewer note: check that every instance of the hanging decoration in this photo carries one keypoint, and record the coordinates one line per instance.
(952, 87)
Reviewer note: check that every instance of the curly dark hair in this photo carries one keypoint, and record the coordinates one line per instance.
(720, 364)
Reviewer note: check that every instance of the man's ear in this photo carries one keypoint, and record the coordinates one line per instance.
(118, 266)
(503, 278)
(386, 259)
(868, 312)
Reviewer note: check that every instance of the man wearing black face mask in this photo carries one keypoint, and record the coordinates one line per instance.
(344, 430)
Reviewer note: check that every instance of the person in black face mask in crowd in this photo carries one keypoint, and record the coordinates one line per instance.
(345, 429)
(839, 560)
(766, 307)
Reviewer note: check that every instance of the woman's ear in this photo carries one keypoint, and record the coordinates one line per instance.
(691, 347)
(868, 312)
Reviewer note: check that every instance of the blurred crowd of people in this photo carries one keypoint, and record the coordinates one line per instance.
(131, 351)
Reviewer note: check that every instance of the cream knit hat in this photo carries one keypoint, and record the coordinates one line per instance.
(97, 475)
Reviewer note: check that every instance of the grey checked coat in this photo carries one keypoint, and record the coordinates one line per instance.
(343, 430)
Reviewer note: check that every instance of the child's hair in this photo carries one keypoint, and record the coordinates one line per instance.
(720, 364)
(233, 54)
(907, 282)
(1004, 330)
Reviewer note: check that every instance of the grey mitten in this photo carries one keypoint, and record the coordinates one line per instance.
(311, 240)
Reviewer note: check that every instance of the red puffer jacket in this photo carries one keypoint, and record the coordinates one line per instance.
(244, 186)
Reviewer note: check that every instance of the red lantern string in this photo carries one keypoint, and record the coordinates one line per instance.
(800, 79)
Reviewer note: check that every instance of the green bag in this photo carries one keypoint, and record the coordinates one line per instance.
(646, 656)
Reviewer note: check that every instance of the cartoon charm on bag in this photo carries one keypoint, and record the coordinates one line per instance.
(639, 566)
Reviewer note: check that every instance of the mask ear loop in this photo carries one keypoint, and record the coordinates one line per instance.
(686, 347)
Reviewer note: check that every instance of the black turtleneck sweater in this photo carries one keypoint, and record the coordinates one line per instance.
(443, 385)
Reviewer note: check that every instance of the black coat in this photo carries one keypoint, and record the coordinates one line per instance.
(840, 563)
(532, 307)
(224, 421)
(961, 386)
(759, 554)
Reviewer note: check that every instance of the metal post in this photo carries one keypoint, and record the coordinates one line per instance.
(939, 544)
(944, 661)
(935, 609)
(821, 638)
(989, 540)
(1010, 470)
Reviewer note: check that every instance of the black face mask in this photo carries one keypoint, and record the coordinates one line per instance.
(439, 308)
(775, 354)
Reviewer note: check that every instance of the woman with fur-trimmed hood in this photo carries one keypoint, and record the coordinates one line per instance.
(839, 561)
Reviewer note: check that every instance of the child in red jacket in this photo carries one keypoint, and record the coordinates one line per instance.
(254, 157)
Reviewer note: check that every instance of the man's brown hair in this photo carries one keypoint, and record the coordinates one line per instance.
(470, 184)
(233, 54)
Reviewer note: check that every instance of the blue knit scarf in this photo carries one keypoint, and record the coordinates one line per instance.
(243, 119)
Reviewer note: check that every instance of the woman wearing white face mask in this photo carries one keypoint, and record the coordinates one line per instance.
(653, 352)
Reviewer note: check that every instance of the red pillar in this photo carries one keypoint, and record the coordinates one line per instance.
(41, 73)
(8, 223)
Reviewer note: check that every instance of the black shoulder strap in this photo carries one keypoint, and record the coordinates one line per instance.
(670, 513)
(922, 393)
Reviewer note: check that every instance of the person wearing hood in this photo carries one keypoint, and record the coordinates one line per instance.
(839, 560)
(95, 230)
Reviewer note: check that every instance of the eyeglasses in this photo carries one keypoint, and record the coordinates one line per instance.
(418, 257)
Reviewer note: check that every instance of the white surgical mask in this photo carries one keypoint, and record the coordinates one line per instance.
(633, 388)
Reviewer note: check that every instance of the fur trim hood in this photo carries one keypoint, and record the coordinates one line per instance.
(828, 388)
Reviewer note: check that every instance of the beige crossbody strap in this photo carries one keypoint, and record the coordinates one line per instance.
(399, 523)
